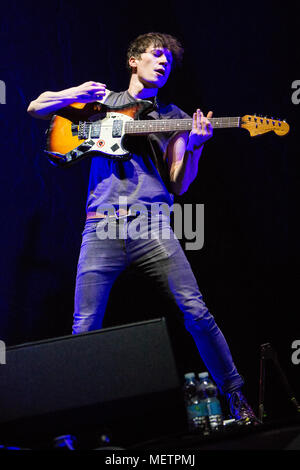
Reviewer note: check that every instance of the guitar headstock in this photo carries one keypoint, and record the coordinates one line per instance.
(258, 125)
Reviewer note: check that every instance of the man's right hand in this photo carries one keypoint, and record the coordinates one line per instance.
(89, 92)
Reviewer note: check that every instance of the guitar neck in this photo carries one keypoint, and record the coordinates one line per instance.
(168, 125)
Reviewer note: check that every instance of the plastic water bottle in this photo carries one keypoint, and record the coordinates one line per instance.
(196, 409)
(208, 393)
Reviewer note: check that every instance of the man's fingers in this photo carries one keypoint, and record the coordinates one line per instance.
(91, 91)
(200, 121)
(91, 83)
(208, 123)
(195, 117)
(93, 87)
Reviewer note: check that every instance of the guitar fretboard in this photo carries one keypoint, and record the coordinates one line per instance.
(167, 125)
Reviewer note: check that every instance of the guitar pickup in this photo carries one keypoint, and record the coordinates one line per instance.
(74, 129)
(95, 130)
(117, 128)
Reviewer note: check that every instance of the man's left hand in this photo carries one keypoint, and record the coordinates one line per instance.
(202, 129)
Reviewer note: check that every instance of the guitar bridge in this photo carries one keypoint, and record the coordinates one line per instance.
(84, 130)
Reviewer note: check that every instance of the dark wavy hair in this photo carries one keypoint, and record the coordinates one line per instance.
(142, 42)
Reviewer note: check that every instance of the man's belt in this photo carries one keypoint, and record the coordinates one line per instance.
(118, 214)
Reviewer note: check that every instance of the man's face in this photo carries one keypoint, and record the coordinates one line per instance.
(153, 67)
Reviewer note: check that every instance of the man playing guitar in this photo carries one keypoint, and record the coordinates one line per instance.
(160, 166)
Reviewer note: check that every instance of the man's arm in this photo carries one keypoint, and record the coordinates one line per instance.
(184, 152)
(50, 101)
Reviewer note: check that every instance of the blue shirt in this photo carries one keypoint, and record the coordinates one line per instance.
(144, 178)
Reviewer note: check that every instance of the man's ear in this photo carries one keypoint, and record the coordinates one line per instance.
(132, 63)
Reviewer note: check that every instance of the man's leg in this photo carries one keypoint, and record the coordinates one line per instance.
(164, 261)
(161, 257)
(100, 263)
(173, 274)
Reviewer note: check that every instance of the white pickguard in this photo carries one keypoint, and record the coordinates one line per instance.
(107, 143)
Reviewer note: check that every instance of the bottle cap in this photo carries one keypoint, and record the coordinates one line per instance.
(203, 375)
(189, 375)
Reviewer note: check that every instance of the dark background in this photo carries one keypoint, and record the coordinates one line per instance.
(238, 60)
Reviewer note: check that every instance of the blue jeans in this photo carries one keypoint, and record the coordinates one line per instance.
(161, 257)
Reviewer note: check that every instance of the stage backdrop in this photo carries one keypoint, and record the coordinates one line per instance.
(237, 61)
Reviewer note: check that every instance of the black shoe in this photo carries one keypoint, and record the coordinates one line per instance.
(240, 410)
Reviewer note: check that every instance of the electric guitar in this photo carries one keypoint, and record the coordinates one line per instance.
(90, 129)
